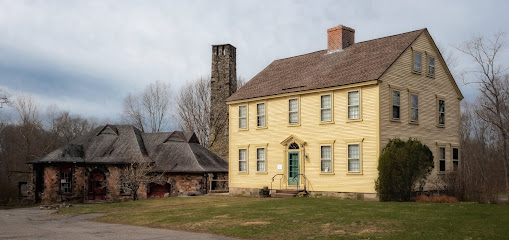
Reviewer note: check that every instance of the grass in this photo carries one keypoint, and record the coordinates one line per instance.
(310, 218)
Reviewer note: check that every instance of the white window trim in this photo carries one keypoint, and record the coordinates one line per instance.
(246, 117)
(348, 119)
(264, 160)
(298, 112)
(246, 148)
(331, 95)
(264, 116)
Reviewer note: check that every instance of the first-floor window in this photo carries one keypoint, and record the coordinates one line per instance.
(442, 159)
(242, 160)
(23, 189)
(326, 157)
(455, 158)
(65, 178)
(354, 161)
(260, 159)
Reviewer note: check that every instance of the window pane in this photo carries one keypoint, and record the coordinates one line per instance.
(326, 115)
(326, 166)
(353, 98)
(242, 154)
(353, 151)
(261, 121)
(354, 165)
(442, 165)
(294, 117)
(417, 62)
(326, 101)
(353, 112)
(442, 153)
(242, 166)
(260, 155)
(294, 105)
(261, 109)
(415, 115)
(395, 98)
(415, 101)
(455, 154)
(242, 123)
(242, 111)
(395, 112)
(326, 152)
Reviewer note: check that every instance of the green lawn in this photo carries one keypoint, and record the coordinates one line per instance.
(310, 218)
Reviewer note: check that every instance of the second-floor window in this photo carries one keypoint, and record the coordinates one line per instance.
(354, 109)
(431, 66)
(417, 62)
(414, 106)
(441, 112)
(260, 114)
(326, 108)
(243, 117)
(395, 104)
(293, 109)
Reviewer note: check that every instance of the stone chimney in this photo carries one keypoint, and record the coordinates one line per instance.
(223, 83)
(339, 38)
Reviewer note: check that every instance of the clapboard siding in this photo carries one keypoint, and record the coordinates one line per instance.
(313, 133)
(400, 75)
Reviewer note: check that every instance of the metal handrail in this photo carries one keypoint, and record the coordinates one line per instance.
(280, 183)
(305, 181)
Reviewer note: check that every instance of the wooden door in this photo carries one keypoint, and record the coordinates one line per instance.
(293, 168)
(96, 187)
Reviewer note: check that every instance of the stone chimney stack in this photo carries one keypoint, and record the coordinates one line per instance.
(223, 84)
(339, 38)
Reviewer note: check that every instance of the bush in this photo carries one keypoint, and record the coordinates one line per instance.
(402, 165)
(436, 199)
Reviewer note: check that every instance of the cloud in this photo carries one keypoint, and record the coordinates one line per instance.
(87, 55)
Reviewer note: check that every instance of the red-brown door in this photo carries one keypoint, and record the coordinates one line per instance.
(96, 186)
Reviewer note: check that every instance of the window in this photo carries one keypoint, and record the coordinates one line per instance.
(455, 158)
(414, 106)
(66, 178)
(417, 62)
(293, 111)
(442, 159)
(353, 105)
(354, 162)
(326, 158)
(260, 114)
(242, 160)
(23, 189)
(441, 112)
(326, 108)
(260, 159)
(243, 117)
(431, 66)
(125, 189)
(395, 104)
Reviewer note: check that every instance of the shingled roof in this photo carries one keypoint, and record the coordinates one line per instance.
(120, 144)
(360, 62)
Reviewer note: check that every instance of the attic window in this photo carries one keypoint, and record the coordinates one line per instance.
(417, 62)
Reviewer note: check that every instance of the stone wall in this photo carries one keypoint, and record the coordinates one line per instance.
(254, 192)
(187, 184)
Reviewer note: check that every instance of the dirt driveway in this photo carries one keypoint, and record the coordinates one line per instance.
(32, 223)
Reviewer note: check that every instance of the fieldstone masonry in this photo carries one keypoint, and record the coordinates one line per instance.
(223, 84)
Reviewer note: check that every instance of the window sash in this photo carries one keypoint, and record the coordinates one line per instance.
(418, 62)
(455, 158)
(66, 179)
(431, 66)
(242, 160)
(354, 158)
(325, 108)
(442, 159)
(396, 108)
(260, 113)
(293, 109)
(354, 105)
(260, 159)
(414, 98)
(326, 158)
(243, 117)
(441, 112)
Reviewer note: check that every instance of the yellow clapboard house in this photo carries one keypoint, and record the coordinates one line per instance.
(319, 121)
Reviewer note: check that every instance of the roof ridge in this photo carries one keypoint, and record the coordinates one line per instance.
(394, 35)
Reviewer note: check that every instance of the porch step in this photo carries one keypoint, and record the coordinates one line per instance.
(283, 195)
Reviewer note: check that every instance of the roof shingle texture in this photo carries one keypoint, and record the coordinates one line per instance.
(360, 62)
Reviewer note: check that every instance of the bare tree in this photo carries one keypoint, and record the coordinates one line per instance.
(149, 110)
(194, 110)
(493, 83)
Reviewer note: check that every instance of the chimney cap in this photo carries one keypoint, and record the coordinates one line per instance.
(341, 27)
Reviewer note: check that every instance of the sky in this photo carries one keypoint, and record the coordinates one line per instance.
(86, 56)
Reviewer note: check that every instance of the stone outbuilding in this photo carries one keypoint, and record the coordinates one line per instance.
(91, 167)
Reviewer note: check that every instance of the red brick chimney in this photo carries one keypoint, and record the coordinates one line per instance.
(340, 37)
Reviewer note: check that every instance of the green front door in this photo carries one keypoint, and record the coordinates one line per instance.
(293, 168)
